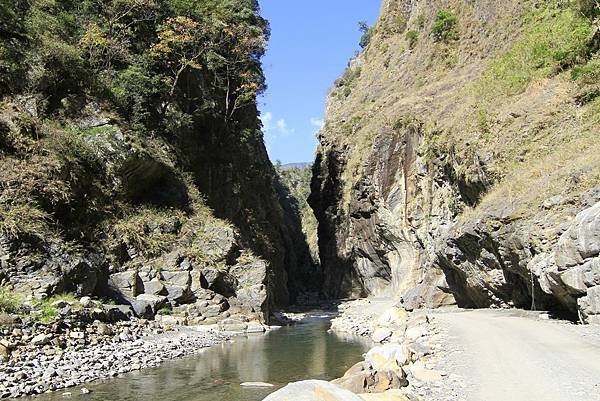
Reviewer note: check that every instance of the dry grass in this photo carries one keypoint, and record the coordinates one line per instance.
(516, 110)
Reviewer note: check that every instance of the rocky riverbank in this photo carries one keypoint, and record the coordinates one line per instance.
(407, 361)
(66, 355)
(89, 341)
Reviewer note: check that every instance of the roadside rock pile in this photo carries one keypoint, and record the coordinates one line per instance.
(408, 343)
(407, 361)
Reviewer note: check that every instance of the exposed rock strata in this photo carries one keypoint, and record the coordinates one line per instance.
(434, 186)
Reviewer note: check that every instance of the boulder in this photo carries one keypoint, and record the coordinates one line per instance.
(356, 379)
(103, 329)
(589, 305)
(117, 313)
(79, 275)
(214, 310)
(388, 357)
(86, 302)
(5, 350)
(219, 243)
(255, 327)
(381, 334)
(126, 285)
(219, 281)
(179, 295)
(392, 317)
(233, 325)
(146, 305)
(177, 278)
(312, 390)
(413, 333)
(425, 375)
(361, 379)
(581, 241)
(251, 273)
(154, 287)
(254, 297)
(41, 339)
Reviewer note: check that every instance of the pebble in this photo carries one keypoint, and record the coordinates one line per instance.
(70, 354)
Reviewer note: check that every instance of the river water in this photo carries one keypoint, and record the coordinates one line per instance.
(303, 351)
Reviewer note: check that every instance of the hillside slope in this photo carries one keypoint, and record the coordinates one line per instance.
(458, 150)
(132, 158)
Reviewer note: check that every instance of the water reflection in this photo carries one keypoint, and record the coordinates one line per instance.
(284, 355)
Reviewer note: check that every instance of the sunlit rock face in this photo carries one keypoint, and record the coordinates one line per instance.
(438, 178)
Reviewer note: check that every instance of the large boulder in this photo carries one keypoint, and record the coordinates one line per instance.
(178, 285)
(388, 357)
(117, 313)
(79, 275)
(154, 287)
(381, 371)
(219, 281)
(312, 390)
(251, 289)
(147, 305)
(125, 285)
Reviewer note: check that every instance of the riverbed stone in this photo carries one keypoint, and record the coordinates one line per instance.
(312, 390)
(382, 334)
(41, 339)
(388, 357)
(233, 325)
(390, 395)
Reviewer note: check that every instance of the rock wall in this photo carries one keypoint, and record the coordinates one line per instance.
(452, 171)
(122, 179)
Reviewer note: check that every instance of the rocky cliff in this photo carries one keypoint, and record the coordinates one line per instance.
(460, 159)
(132, 164)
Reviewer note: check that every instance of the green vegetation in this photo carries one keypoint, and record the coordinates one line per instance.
(445, 28)
(46, 312)
(19, 220)
(588, 79)
(9, 301)
(166, 311)
(149, 231)
(298, 181)
(367, 32)
(412, 37)
(140, 55)
(106, 107)
(421, 21)
(553, 40)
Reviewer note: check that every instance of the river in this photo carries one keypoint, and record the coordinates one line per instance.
(303, 351)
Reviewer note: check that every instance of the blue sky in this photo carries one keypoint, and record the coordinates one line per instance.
(311, 43)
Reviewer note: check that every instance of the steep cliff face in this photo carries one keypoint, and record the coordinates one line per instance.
(458, 149)
(132, 159)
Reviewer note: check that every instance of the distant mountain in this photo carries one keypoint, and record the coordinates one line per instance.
(290, 166)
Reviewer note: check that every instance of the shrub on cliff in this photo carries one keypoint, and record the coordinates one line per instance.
(9, 301)
(445, 28)
(412, 37)
(367, 32)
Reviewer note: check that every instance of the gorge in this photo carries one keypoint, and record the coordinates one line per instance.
(141, 217)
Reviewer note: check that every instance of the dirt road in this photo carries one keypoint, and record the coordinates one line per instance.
(506, 357)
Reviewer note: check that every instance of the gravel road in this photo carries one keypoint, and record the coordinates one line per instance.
(515, 356)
